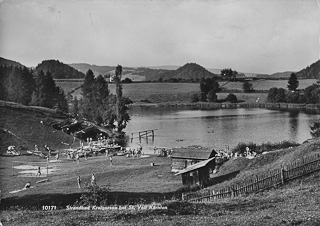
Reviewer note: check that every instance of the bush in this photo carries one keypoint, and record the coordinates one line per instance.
(232, 98)
(276, 95)
(212, 96)
(194, 98)
(293, 97)
(241, 147)
(247, 87)
(95, 196)
(203, 97)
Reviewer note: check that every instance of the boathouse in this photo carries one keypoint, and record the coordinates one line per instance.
(183, 157)
(197, 174)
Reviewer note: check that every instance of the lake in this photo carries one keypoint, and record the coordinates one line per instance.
(216, 128)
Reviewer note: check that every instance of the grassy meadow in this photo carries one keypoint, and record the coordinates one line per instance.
(180, 92)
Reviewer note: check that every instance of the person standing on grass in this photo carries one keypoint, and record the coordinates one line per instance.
(58, 158)
(38, 172)
(85, 155)
(77, 158)
(93, 180)
(79, 182)
(110, 160)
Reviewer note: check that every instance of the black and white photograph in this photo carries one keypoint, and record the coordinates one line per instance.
(160, 112)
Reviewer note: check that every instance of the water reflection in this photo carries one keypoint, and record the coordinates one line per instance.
(293, 124)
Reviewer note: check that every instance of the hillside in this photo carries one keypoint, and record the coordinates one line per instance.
(312, 71)
(60, 70)
(188, 72)
(7, 62)
(22, 127)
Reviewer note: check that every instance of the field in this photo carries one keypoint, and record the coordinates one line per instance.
(180, 92)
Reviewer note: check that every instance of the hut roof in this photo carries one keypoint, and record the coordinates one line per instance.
(195, 166)
(193, 152)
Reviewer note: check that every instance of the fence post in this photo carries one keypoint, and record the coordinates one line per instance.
(282, 175)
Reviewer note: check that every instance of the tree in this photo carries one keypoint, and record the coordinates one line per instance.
(247, 87)
(312, 94)
(232, 98)
(76, 104)
(206, 85)
(315, 128)
(212, 96)
(293, 82)
(195, 98)
(293, 97)
(122, 116)
(276, 95)
(228, 74)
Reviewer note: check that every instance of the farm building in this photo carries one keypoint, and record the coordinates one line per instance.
(197, 174)
(181, 158)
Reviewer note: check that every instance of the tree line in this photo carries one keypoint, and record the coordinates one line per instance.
(310, 95)
(28, 87)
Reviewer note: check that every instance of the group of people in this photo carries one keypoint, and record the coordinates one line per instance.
(92, 181)
(134, 153)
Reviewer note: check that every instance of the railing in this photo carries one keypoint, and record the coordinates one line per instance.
(259, 183)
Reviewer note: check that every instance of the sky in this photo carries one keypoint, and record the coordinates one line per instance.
(258, 36)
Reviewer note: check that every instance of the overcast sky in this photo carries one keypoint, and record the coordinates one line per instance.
(260, 36)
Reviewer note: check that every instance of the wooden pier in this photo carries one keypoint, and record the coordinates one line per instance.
(145, 133)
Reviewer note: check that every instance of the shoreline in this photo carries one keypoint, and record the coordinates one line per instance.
(308, 108)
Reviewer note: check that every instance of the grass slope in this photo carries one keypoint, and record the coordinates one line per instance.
(22, 127)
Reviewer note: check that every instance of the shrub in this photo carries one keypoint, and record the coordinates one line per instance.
(95, 196)
(194, 98)
(232, 98)
(293, 97)
(203, 97)
(241, 147)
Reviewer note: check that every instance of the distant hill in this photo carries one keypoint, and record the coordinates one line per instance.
(312, 71)
(60, 70)
(103, 70)
(190, 71)
(280, 75)
(7, 62)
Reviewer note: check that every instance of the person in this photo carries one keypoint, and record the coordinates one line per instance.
(58, 157)
(110, 160)
(28, 185)
(79, 182)
(38, 172)
(85, 155)
(93, 180)
(36, 149)
(77, 158)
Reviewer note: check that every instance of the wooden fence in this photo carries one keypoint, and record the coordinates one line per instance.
(259, 183)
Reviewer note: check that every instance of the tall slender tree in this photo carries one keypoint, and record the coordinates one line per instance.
(293, 82)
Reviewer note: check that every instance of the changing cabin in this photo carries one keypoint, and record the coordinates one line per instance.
(197, 174)
(183, 157)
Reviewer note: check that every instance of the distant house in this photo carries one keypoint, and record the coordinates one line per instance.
(197, 174)
(181, 158)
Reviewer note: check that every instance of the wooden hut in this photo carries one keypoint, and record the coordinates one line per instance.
(181, 158)
(197, 174)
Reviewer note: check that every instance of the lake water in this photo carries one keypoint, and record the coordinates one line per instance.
(216, 128)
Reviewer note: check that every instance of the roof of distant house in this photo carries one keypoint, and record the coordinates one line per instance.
(195, 166)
